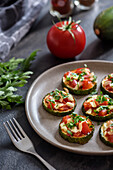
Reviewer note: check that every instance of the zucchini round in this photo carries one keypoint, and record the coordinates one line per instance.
(59, 103)
(103, 24)
(98, 107)
(80, 81)
(106, 133)
(76, 128)
(107, 85)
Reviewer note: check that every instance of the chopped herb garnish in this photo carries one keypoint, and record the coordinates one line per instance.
(70, 125)
(91, 126)
(57, 94)
(73, 114)
(111, 124)
(109, 76)
(82, 79)
(94, 78)
(81, 75)
(52, 101)
(69, 132)
(85, 65)
(96, 111)
(68, 78)
(87, 117)
(101, 92)
(110, 102)
(103, 98)
(103, 107)
(51, 106)
(75, 119)
(74, 74)
(64, 95)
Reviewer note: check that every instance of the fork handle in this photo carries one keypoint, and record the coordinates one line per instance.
(43, 161)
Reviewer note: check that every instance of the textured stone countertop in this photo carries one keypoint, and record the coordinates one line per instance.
(10, 157)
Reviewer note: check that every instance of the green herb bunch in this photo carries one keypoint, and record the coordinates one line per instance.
(13, 74)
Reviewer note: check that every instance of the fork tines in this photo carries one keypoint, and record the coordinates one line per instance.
(14, 129)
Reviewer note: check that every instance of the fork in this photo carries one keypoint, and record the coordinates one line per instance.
(22, 141)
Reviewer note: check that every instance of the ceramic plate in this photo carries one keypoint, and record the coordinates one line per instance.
(46, 125)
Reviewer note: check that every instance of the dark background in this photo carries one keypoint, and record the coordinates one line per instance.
(10, 157)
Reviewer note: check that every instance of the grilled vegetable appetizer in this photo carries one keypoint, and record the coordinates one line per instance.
(106, 132)
(59, 102)
(98, 107)
(107, 85)
(80, 81)
(76, 128)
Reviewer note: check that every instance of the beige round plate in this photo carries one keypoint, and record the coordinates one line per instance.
(46, 125)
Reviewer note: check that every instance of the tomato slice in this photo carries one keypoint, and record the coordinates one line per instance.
(87, 106)
(67, 74)
(66, 100)
(110, 138)
(51, 105)
(104, 103)
(79, 70)
(65, 118)
(73, 83)
(77, 134)
(87, 84)
(103, 112)
(85, 128)
(109, 88)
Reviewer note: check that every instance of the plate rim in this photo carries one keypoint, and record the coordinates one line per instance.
(108, 152)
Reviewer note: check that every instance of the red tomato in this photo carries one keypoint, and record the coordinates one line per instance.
(51, 105)
(102, 112)
(109, 88)
(85, 128)
(77, 134)
(87, 84)
(65, 119)
(87, 105)
(104, 103)
(67, 74)
(79, 70)
(73, 83)
(61, 42)
(110, 138)
(66, 100)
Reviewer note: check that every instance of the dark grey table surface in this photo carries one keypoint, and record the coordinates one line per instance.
(10, 157)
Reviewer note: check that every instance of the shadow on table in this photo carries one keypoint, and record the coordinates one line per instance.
(96, 49)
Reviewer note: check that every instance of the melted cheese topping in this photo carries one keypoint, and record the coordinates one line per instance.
(106, 82)
(93, 106)
(79, 80)
(74, 129)
(104, 129)
(57, 104)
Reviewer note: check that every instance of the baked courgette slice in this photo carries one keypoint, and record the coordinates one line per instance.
(80, 81)
(98, 107)
(76, 128)
(106, 132)
(59, 102)
(107, 85)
